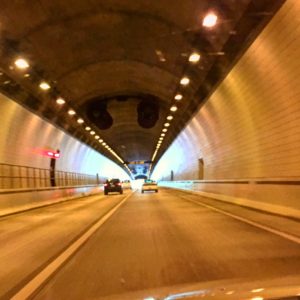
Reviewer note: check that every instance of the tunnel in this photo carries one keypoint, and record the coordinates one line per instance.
(200, 99)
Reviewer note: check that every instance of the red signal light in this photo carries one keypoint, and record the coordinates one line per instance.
(49, 153)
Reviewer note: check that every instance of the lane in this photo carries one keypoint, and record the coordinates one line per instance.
(159, 240)
(30, 240)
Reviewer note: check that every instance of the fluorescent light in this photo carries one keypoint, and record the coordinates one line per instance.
(184, 81)
(210, 20)
(60, 101)
(80, 121)
(21, 63)
(169, 118)
(178, 97)
(71, 112)
(173, 108)
(44, 86)
(194, 57)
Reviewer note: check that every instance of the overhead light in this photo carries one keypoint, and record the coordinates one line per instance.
(60, 101)
(184, 81)
(194, 57)
(173, 108)
(100, 141)
(26, 75)
(161, 138)
(92, 132)
(169, 118)
(80, 121)
(21, 63)
(97, 137)
(87, 128)
(71, 112)
(162, 134)
(178, 97)
(165, 130)
(103, 143)
(44, 86)
(210, 20)
(167, 124)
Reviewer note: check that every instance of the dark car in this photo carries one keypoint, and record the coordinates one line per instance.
(113, 185)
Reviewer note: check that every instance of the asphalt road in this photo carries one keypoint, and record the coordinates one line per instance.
(152, 241)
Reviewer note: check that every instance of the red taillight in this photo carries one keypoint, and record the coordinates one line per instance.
(119, 183)
(105, 184)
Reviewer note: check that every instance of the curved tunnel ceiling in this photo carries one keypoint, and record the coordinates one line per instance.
(126, 56)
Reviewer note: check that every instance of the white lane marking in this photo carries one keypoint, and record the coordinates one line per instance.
(39, 279)
(287, 236)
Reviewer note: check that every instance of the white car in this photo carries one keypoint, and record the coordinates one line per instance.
(126, 184)
(149, 185)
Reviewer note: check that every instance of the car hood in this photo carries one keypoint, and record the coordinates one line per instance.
(287, 288)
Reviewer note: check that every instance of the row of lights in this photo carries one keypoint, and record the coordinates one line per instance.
(22, 64)
(209, 21)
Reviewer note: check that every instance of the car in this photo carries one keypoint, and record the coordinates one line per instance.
(126, 184)
(113, 185)
(149, 185)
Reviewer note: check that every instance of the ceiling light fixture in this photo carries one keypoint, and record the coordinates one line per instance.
(167, 124)
(71, 112)
(44, 86)
(80, 121)
(21, 63)
(173, 108)
(87, 128)
(169, 118)
(163, 134)
(194, 57)
(184, 81)
(60, 101)
(165, 130)
(178, 97)
(210, 20)
(92, 132)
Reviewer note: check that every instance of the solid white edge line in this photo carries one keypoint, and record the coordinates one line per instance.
(39, 279)
(266, 228)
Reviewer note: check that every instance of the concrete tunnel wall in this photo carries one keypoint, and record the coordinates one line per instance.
(249, 128)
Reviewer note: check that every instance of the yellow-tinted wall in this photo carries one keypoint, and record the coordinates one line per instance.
(250, 126)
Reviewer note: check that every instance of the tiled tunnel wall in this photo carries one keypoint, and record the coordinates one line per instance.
(250, 125)
(23, 137)
(249, 128)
